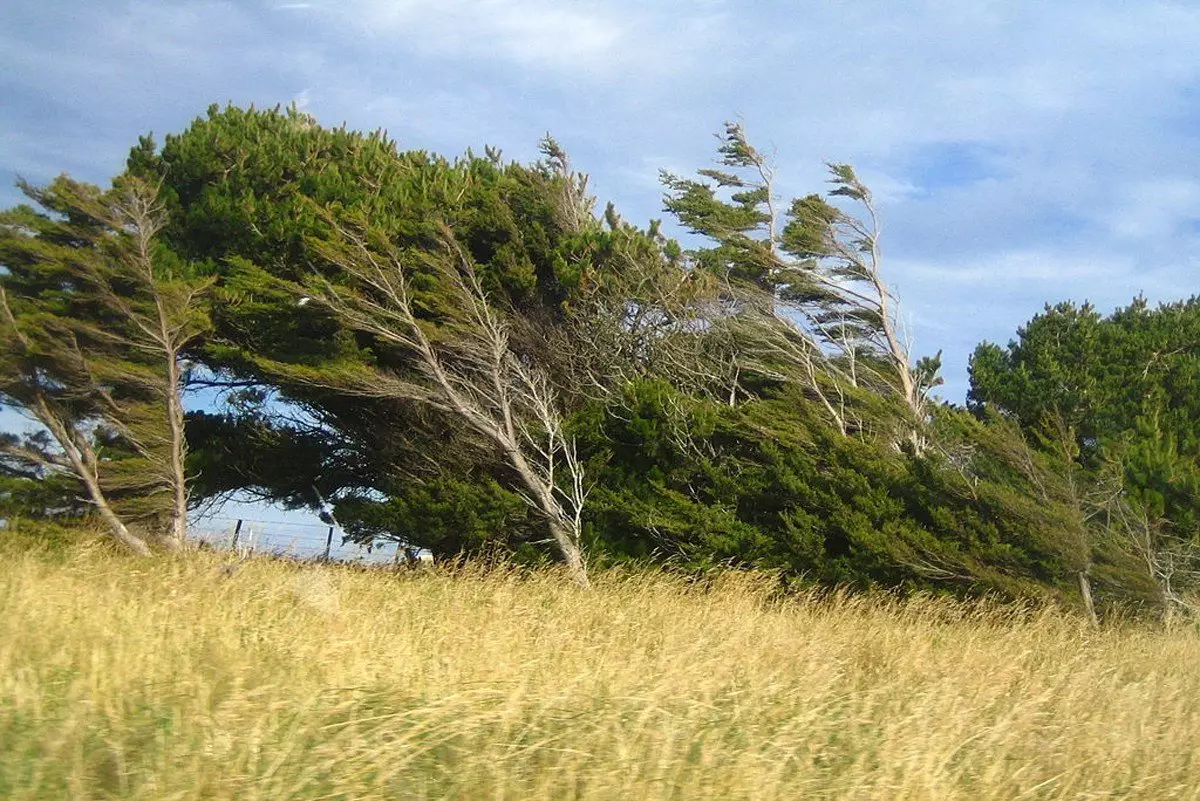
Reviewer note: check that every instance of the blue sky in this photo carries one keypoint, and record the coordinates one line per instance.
(1021, 151)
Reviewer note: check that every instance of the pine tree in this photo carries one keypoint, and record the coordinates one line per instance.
(820, 268)
(96, 321)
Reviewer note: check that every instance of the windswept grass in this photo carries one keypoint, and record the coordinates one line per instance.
(166, 679)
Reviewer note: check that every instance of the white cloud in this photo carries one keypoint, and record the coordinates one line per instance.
(576, 38)
(1153, 209)
(1086, 112)
(540, 33)
(1015, 267)
(881, 78)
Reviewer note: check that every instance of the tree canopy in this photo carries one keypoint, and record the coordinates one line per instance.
(1122, 392)
(464, 355)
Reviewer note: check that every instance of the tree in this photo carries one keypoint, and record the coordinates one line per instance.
(696, 483)
(1120, 394)
(745, 227)
(464, 367)
(854, 309)
(32, 484)
(96, 319)
(247, 191)
(820, 269)
(423, 342)
(1121, 383)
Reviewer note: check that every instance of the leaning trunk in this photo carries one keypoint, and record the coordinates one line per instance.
(1089, 606)
(119, 531)
(83, 464)
(562, 531)
(567, 541)
(178, 456)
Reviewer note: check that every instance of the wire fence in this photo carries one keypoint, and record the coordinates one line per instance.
(312, 541)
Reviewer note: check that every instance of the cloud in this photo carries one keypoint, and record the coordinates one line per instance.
(573, 39)
(1146, 211)
(1020, 151)
(1016, 267)
(939, 165)
(547, 34)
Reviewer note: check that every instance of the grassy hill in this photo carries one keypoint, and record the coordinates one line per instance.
(174, 678)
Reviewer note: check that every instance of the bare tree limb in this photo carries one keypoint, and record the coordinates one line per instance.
(470, 372)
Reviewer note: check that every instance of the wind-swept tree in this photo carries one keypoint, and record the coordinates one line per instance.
(460, 364)
(1121, 394)
(820, 269)
(853, 308)
(96, 317)
(246, 191)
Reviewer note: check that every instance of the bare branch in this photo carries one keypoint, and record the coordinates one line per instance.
(470, 372)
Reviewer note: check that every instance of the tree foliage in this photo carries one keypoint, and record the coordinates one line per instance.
(1121, 394)
(819, 265)
(95, 318)
(462, 355)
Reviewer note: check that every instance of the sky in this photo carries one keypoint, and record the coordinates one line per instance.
(1021, 152)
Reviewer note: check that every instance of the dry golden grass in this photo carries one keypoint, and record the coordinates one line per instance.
(166, 679)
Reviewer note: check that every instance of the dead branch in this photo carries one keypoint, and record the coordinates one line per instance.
(469, 371)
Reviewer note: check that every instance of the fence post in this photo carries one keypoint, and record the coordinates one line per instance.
(328, 543)
(237, 530)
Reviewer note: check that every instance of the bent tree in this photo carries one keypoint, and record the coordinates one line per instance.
(94, 320)
(461, 364)
(828, 307)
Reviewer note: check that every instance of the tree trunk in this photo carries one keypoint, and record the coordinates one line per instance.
(1085, 589)
(178, 456)
(570, 551)
(83, 467)
(482, 383)
(565, 535)
(117, 528)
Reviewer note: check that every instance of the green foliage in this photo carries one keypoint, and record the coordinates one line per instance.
(95, 317)
(446, 514)
(817, 263)
(733, 208)
(1162, 474)
(250, 452)
(1049, 368)
(28, 487)
(252, 193)
(251, 185)
(748, 403)
(770, 484)
(1126, 387)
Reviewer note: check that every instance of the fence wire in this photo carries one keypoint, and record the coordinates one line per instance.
(291, 539)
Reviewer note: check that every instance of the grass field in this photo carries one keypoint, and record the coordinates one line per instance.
(168, 679)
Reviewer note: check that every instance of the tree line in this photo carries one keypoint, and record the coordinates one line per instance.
(466, 355)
